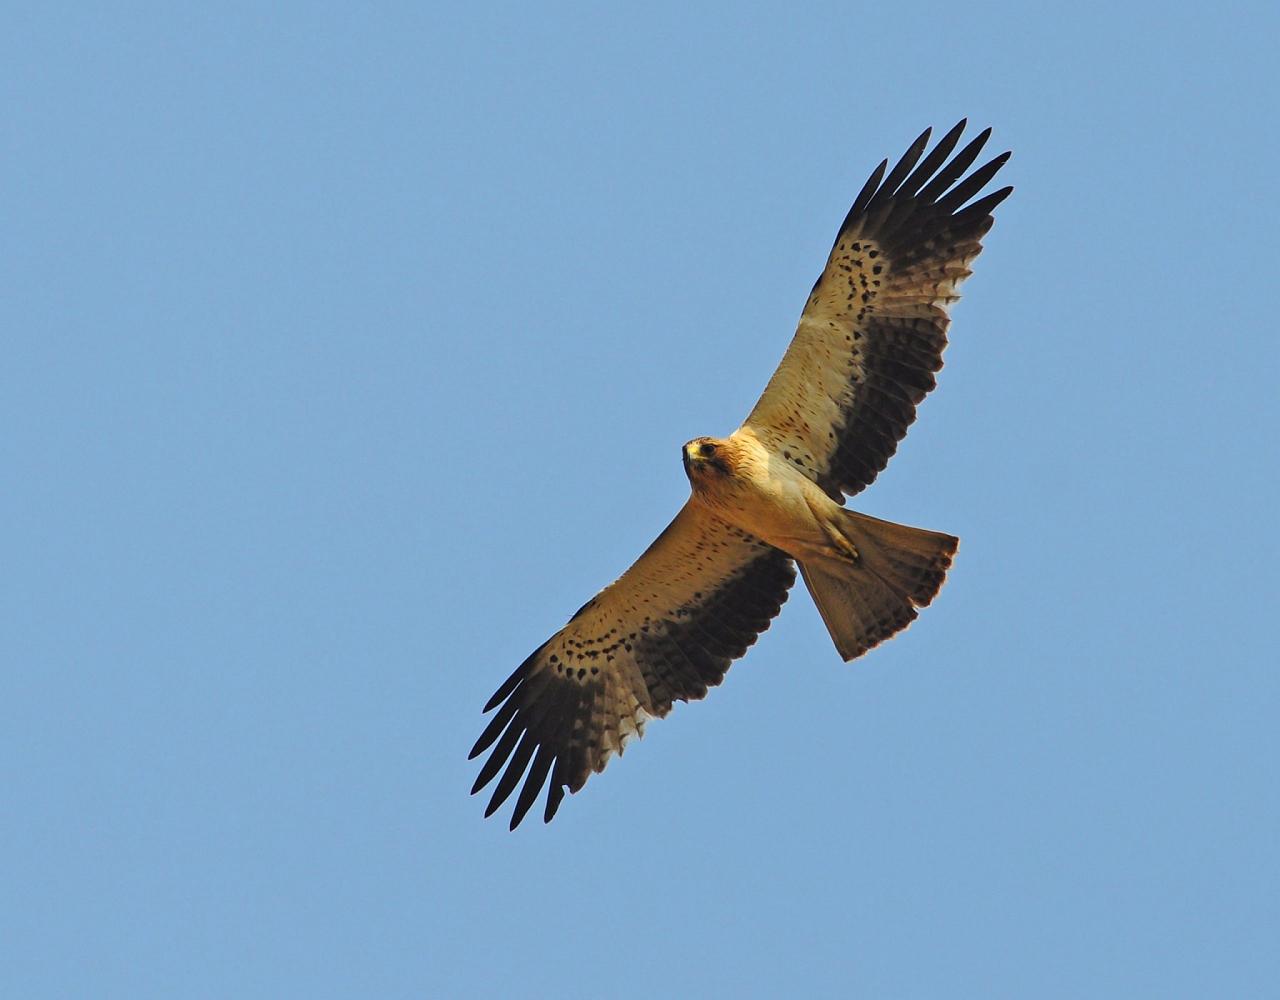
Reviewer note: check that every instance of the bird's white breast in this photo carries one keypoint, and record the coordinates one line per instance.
(769, 497)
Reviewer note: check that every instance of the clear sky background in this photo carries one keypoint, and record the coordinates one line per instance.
(347, 351)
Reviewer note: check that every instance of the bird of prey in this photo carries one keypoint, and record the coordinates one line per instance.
(771, 495)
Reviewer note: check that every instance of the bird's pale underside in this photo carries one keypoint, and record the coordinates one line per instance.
(770, 496)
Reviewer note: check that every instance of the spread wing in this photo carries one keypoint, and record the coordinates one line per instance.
(666, 631)
(873, 330)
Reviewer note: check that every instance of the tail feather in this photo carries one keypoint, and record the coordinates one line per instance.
(866, 601)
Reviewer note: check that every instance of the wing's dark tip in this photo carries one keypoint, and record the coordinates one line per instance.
(499, 696)
(533, 782)
(868, 189)
(922, 140)
(985, 205)
(903, 167)
(554, 794)
(925, 188)
(981, 138)
(511, 683)
(965, 189)
(495, 727)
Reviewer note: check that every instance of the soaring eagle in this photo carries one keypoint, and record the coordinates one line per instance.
(770, 496)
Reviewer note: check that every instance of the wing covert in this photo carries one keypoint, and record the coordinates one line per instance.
(665, 631)
(871, 337)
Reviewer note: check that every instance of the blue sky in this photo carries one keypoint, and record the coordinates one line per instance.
(349, 351)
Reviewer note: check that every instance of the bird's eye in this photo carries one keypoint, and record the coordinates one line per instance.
(706, 450)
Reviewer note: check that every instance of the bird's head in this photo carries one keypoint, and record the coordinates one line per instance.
(706, 457)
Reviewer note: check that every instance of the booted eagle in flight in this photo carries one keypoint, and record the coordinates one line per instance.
(770, 496)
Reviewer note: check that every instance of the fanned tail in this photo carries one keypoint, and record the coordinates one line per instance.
(869, 599)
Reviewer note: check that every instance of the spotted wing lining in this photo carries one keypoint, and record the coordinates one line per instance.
(666, 631)
(871, 337)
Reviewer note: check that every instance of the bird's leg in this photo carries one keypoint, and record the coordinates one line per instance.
(839, 544)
